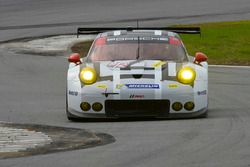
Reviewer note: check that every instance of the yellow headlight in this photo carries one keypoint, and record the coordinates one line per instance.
(186, 75)
(88, 75)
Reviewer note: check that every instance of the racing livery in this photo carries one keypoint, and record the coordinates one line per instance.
(137, 73)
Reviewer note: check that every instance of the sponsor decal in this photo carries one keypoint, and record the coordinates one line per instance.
(119, 86)
(136, 96)
(158, 64)
(204, 92)
(106, 94)
(119, 39)
(142, 86)
(73, 93)
(103, 86)
(118, 64)
(173, 86)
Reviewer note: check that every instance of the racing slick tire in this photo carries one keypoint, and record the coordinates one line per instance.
(204, 115)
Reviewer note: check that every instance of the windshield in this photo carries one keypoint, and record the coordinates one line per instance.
(150, 48)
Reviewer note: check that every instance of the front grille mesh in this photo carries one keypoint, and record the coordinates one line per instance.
(130, 108)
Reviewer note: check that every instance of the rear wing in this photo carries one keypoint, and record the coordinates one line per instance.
(178, 30)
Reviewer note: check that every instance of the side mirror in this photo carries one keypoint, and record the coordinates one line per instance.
(75, 58)
(200, 57)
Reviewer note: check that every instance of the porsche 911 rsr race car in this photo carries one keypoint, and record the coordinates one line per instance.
(137, 73)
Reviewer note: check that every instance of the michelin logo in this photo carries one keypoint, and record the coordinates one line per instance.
(142, 86)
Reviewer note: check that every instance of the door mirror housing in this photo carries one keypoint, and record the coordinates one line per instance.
(200, 57)
(75, 58)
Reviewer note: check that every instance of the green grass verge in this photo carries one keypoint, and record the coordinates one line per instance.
(223, 42)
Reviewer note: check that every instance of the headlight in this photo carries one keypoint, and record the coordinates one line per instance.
(186, 75)
(88, 75)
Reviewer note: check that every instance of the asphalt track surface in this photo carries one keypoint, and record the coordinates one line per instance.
(33, 88)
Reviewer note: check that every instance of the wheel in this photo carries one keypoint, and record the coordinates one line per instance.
(204, 115)
(70, 117)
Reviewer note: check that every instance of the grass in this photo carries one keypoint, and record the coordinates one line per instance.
(223, 42)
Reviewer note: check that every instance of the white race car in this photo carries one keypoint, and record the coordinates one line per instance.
(137, 73)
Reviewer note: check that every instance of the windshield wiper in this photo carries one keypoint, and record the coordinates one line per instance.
(137, 54)
(138, 49)
(134, 62)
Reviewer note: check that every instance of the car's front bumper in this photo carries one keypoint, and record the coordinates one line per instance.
(128, 102)
(195, 114)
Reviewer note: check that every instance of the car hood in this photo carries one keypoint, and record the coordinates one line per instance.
(132, 64)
